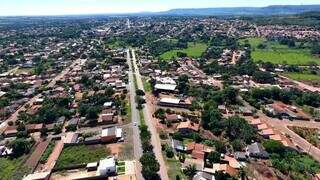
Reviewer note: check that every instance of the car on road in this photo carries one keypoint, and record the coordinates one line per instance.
(135, 123)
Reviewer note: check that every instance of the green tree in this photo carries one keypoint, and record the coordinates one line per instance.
(20, 146)
(150, 166)
(214, 157)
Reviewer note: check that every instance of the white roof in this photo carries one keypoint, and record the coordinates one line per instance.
(107, 162)
(170, 87)
(93, 164)
(170, 100)
(2, 93)
(37, 175)
(107, 104)
(119, 132)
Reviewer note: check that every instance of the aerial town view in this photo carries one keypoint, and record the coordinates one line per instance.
(160, 90)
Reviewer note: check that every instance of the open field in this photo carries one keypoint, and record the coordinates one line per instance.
(193, 50)
(81, 154)
(302, 76)
(279, 54)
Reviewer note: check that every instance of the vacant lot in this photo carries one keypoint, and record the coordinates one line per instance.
(174, 168)
(312, 135)
(193, 50)
(82, 154)
(279, 54)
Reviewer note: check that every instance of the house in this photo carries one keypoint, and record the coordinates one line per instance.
(222, 109)
(70, 138)
(2, 93)
(255, 123)
(187, 127)
(256, 150)
(38, 101)
(173, 102)
(225, 168)
(266, 133)
(92, 140)
(232, 161)
(73, 122)
(111, 134)
(173, 118)
(106, 118)
(246, 111)
(198, 163)
(107, 166)
(10, 131)
(92, 166)
(262, 126)
(165, 87)
(203, 176)
(31, 128)
(198, 151)
(178, 145)
(240, 156)
(107, 105)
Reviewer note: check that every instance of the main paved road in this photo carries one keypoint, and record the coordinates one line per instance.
(155, 140)
(135, 118)
(14, 116)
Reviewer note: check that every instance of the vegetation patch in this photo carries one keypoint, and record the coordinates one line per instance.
(82, 154)
(302, 76)
(272, 51)
(312, 135)
(47, 152)
(193, 50)
(8, 166)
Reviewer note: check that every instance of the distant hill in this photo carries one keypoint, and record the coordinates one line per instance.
(269, 10)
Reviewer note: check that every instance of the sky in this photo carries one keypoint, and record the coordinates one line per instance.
(67, 7)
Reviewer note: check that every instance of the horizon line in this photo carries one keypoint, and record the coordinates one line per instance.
(140, 12)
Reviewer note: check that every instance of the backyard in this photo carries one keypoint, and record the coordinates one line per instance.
(279, 54)
(11, 168)
(193, 50)
(81, 154)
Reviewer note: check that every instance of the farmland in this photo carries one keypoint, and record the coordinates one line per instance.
(279, 54)
(193, 50)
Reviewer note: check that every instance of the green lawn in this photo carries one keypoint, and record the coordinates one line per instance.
(147, 86)
(193, 50)
(174, 168)
(47, 152)
(8, 167)
(82, 154)
(302, 76)
(279, 54)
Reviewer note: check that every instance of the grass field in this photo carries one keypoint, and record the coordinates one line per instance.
(279, 54)
(174, 168)
(147, 86)
(8, 167)
(82, 154)
(302, 76)
(193, 50)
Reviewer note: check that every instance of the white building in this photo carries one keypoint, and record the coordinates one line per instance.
(107, 166)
